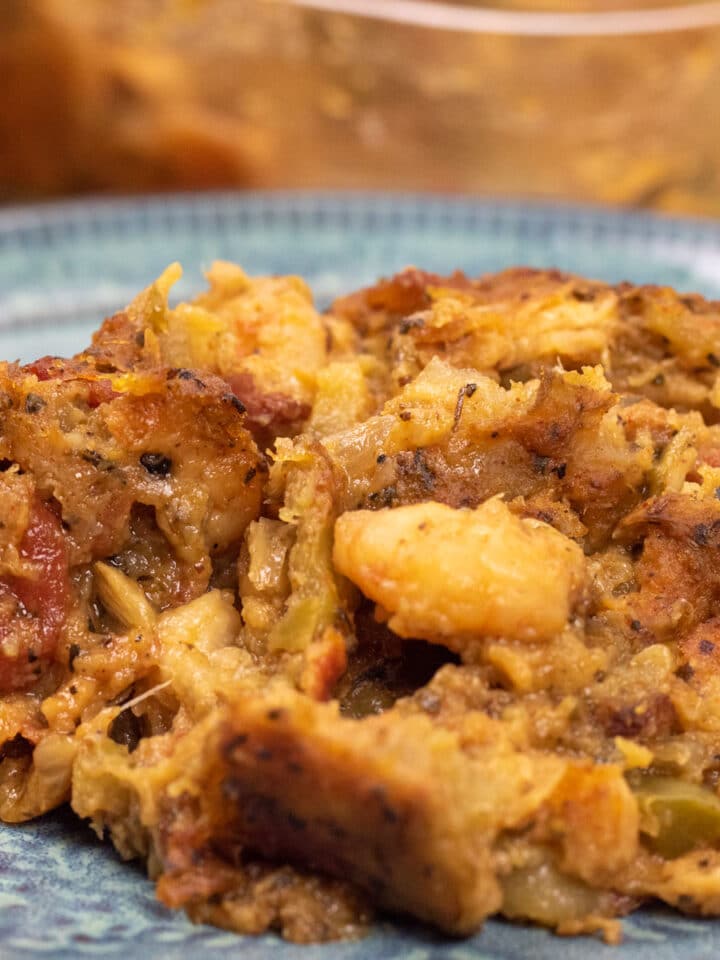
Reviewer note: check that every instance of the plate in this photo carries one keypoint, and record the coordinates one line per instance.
(63, 267)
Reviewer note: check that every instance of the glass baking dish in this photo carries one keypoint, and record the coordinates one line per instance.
(577, 100)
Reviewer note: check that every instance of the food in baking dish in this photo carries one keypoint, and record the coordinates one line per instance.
(413, 604)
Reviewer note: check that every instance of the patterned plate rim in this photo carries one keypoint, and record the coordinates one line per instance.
(40, 223)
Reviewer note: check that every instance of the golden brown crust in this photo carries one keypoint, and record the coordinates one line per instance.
(651, 340)
(447, 642)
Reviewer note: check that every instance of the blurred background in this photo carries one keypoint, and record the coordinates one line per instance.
(563, 99)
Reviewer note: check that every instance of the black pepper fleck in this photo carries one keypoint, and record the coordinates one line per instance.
(73, 653)
(92, 456)
(583, 296)
(540, 463)
(685, 672)
(237, 741)
(701, 534)
(423, 471)
(34, 403)
(235, 402)
(156, 464)
(406, 325)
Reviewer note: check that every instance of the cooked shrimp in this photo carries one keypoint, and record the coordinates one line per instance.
(452, 574)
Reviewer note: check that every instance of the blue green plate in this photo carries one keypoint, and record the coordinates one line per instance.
(63, 267)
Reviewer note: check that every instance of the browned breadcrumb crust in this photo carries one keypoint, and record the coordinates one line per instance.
(413, 604)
